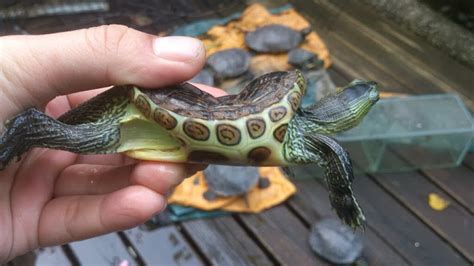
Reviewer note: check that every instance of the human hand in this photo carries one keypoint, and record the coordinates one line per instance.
(52, 197)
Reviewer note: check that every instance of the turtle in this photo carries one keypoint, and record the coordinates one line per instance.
(275, 38)
(304, 59)
(335, 242)
(205, 76)
(229, 63)
(263, 125)
(224, 180)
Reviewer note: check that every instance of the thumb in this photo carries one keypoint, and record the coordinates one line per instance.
(35, 69)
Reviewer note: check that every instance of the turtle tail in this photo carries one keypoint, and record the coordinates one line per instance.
(339, 176)
(88, 129)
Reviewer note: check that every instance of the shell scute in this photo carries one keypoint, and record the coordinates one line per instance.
(277, 113)
(280, 132)
(143, 105)
(164, 118)
(259, 154)
(196, 130)
(228, 135)
(256, 127)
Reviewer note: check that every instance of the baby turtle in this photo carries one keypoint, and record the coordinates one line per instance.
(262, 125)
(205, 76)
(304, 59)
(275, 38)
(229, 63)
(335, 242)
(224, 180)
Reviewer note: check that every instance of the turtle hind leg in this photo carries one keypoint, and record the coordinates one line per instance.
(339, 175)
(33, 128)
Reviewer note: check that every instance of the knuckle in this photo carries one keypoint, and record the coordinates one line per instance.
(106, 39)
(71, 216)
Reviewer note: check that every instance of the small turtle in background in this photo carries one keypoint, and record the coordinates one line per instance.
(229, 63)
(205, 76)
(275, 38)
(335, 241)
(304, 59)
(228, 181)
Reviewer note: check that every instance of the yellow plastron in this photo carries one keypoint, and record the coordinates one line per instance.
(190, 193)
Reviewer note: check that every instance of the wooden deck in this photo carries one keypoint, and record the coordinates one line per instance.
(401, 227)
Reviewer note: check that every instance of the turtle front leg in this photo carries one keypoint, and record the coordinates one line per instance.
(33, 128)
(338, 169)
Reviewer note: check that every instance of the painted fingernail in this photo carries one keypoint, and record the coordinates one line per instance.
(177, 48)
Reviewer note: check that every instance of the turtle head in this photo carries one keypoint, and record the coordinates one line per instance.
(342, 110)
(361, 91)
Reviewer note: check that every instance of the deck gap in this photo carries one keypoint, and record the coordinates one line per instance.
(297, 214)
(70, 255)
(187, 236)
(256, 240)
(438, 185)
(126, 242)
(385, 240)
(431, 180)
(418, 217)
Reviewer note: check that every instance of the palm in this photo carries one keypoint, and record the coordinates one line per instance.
(52, 197)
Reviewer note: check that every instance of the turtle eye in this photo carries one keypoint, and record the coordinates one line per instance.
(373, 92)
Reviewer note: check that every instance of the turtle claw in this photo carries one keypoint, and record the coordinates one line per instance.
(348, 211)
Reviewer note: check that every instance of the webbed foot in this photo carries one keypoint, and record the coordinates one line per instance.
(33, 128)
(14, 141)
(348, 210)
(339, 175)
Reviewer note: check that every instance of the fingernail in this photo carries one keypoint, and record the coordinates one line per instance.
(177, 48)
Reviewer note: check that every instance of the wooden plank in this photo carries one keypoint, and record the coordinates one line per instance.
(224, 242)
(453, 223)
(338, 78)
(412, 238)
(412, 47)
(104, 250)
(163, 246)
(283, 235)
(349, 59)
(339, 28)
(51, 256)
(469, 160)
(312, 203)
(457, 182)
(355, 66)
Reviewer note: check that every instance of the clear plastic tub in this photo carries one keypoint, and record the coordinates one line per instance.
(411, 132)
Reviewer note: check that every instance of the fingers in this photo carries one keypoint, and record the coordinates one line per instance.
(88, 179)
(160, 177)
(72, 218)
(115, 159)
(93, 58)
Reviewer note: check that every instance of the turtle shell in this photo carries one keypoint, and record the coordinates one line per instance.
(335, 241)
(304, 59)
(273, 38)
(248, 128)
(231, 180)
(189, 101)
(229, 63)
(205, 77)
